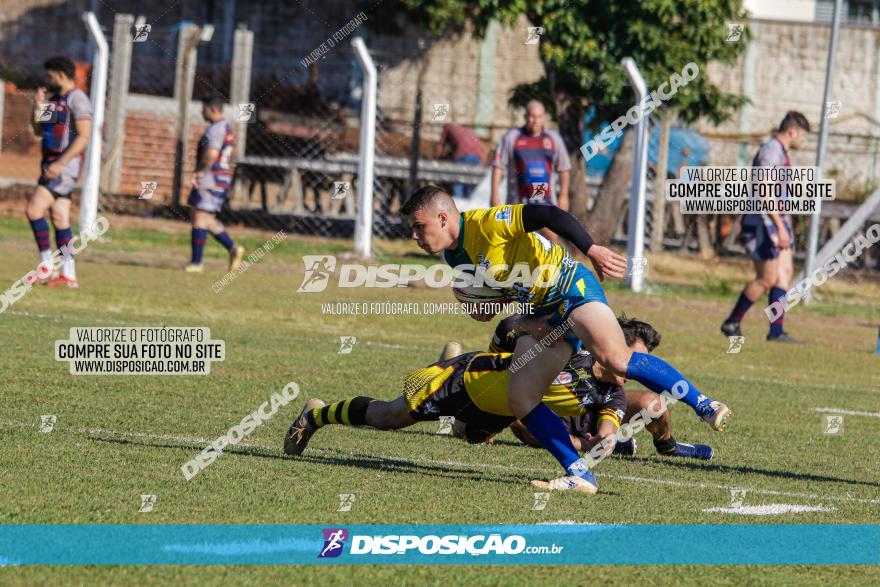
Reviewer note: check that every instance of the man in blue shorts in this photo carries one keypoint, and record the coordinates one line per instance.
(769, 238)
(210, 186)
(63, 119)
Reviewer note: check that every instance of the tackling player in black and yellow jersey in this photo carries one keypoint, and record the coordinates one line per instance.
(567, 299)
(472, 388)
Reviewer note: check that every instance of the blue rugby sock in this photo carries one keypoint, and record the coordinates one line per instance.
(223, 239)
(742, 306)
(659, 376)
(548, 428)
(41, 234)
(63, 236)
(777, 293)
(199, 236)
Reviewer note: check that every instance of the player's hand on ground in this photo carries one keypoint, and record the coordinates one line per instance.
(590, 441)
(522, 433)
(607, 262)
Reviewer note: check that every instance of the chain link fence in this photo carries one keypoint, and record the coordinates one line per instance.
(295, 104)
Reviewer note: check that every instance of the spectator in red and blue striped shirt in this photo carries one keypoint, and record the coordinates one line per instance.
(532, 155)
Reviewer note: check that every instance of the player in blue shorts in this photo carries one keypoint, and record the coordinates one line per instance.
(640, 337)
(769, 238)
(210, 185)
(63, 119)
(566, 297)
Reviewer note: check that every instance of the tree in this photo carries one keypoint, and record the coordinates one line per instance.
(581, 46)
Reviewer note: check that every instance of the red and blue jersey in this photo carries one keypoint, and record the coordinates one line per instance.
(531, 162)
(61, 114)
(219, 137)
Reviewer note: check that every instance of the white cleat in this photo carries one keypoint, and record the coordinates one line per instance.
(715, 415)
(586, 484)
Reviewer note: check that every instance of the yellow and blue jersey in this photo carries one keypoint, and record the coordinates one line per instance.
(496, 241)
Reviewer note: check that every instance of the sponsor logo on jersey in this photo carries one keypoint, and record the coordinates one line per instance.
(503, 215)
(563, 378)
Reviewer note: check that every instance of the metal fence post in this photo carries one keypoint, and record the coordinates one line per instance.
(635, 248)
(813, 241)
(88, 207)
(240, 90)
(363, 229)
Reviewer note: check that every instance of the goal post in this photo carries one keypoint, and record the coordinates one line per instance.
(363, 228)
(88, 208)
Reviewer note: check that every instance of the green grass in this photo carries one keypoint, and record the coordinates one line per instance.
(274, 335)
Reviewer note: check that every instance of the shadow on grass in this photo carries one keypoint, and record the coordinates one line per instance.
(343, 458)
(495, 442)
(714, 468)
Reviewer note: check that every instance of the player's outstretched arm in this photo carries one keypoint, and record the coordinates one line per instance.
(604, 260)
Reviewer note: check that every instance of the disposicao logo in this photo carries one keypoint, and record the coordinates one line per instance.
(334, 541)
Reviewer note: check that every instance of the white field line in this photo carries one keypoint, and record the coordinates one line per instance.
(770, 509)
(847, 412)
(422, 461)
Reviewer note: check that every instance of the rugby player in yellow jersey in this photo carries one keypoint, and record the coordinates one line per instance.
(472, 388)
(566, 297)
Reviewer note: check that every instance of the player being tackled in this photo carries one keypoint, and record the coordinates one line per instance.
(473, 389)
(641, 337)
(567, 299)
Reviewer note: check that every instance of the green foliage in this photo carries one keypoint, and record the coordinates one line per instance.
(583, 42)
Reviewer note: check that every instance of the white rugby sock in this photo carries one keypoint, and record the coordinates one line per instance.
(67, 267)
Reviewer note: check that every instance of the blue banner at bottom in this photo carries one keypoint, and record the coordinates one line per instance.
(167, 544)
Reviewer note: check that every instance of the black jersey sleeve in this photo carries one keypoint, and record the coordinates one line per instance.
(535, 217)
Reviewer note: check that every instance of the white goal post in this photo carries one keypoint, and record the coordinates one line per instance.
(363, 228)
(88, 208)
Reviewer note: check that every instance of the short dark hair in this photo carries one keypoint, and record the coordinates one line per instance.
(794, 119)
(214, 100)
(636, 329)
(62, 64)
(421, 198)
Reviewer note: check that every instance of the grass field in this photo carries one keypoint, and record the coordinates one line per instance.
(118, 437)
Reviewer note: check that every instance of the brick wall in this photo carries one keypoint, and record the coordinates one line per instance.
(148, 153)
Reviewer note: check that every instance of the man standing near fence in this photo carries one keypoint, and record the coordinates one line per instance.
(532, 156)
(210, 185)
(64, 120)
(462, 145)
(769, 237)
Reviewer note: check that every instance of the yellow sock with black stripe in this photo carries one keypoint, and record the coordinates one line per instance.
(348, 412)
